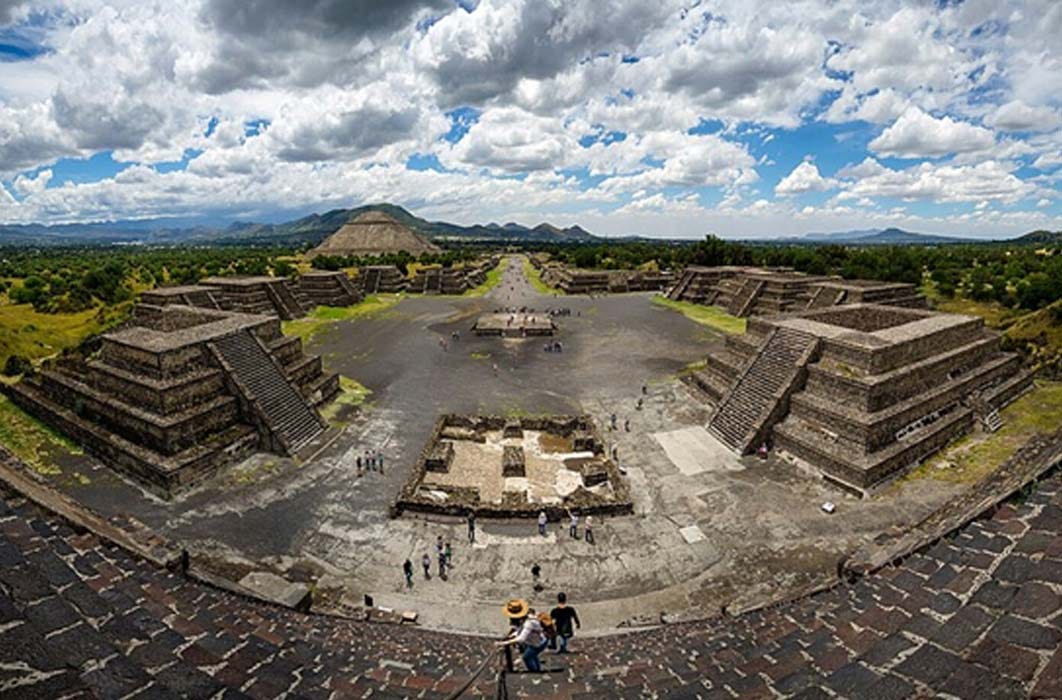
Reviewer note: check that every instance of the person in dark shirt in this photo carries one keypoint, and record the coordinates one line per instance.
(563, 617)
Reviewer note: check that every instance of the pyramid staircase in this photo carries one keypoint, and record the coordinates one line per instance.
(261, 383)
(825, 297)
(288, 307)
(761, 393)
(680, 288)
(743, 300)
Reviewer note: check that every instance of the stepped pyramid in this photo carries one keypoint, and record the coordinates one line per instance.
(374, 233)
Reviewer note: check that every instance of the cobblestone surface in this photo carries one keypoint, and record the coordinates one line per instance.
(978, 614)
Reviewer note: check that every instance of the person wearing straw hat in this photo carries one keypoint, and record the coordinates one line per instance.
(527, 631)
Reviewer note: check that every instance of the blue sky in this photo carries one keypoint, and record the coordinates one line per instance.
(671, 119)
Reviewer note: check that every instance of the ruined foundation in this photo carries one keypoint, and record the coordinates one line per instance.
(514, 325)
(514, 468)
(326, 288)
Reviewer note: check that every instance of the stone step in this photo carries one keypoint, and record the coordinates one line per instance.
(290, 417)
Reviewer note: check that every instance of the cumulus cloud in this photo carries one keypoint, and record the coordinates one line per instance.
(582, 106)
(805, 177)
(1018, 116)
(919, 135)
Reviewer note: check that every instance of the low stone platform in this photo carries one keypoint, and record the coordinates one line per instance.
(514, 325)
(514, 468)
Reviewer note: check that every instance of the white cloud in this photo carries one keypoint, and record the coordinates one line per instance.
(919, 135)
(1018, 116)
(804, 178)
(990, 180)
(26, 185)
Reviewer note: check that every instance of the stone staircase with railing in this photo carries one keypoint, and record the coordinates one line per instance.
(261, 383)
(746, 296)
(753, 401)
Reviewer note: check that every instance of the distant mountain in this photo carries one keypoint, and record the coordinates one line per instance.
(887, 236)
(310, 229)
(1053, 237)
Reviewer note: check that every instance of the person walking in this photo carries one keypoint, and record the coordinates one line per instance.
(588, 529)
(407, 569)
(425, 561)
(536, 575)
(526, 631)
(471, 527)
(448, 553)
(563, 616)
(542, 520)
(573, 525)
(379, 461)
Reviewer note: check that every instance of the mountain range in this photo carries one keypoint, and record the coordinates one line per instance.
(312, 229)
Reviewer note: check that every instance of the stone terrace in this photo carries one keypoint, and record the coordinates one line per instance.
(975, 615)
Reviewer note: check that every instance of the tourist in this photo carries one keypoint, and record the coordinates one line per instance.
(573, 524)
(379, 461)
(527, 632)
(407, 569)
(448, 552)
(425, 561)
(640, 403)
(471, 526)
(612, 422)
(542, 520)
(645, 389)
(358, 462)
(439, 545)
(442, 565)
(588, 529)
(536, 573)
(627, 424)
(563, 617)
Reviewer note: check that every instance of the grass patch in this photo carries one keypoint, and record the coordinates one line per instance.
(34, 335)
(324, 316)
(974, 456)
(32, 441)
(535, 277)
(351, 394)
(711, 316)
(494, 278)
(996, 315)
(476, 355)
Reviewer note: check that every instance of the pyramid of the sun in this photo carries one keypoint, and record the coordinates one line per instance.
(374, 233)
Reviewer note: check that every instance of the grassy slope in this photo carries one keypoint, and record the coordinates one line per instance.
(972, 457)
(535, 278)
(34, 335)
(32, 441)
(323, 316)
(494, 277)
(711, 316)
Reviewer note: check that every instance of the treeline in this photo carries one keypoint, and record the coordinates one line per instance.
(1015, 275)
(75, 279)
(401, 260)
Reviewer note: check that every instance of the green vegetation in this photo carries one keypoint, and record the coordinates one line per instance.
(27, 334)
(30, 440)
(535, 277)
(323, 316)
(494, 277)
(402, 260)
(711, 316)
(974, 456)
(351, 395)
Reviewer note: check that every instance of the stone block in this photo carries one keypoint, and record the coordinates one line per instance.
(278, 590)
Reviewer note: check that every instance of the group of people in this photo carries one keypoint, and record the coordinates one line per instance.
(533, 632)
(554, 346)
(573, 525)
(444, 554)
(370, 460)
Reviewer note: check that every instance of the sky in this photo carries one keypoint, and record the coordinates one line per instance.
(671, 119)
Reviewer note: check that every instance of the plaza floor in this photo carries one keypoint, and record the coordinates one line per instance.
(709, 529)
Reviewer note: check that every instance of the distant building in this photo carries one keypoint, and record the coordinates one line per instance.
(374, 233)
